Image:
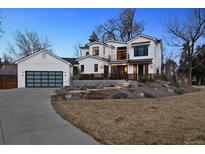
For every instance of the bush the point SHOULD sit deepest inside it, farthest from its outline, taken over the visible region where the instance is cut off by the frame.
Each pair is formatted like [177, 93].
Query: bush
[147, 79]
[120, 95]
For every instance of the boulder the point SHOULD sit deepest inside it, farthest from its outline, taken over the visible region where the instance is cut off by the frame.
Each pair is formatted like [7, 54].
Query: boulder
[141, 94]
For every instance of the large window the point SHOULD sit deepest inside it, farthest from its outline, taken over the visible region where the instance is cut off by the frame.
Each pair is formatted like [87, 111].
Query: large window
[121, 53]
[95, 51]
[141, 51]
[95, 67]
[82, 68]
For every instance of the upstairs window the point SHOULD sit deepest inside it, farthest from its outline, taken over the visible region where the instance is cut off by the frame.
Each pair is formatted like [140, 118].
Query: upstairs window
[95, 51]
[82, 68]
[87, 53]
[141, 50]
[95, 67]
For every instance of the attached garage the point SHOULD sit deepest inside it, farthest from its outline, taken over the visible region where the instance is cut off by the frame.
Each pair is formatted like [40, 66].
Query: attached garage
[43, 69]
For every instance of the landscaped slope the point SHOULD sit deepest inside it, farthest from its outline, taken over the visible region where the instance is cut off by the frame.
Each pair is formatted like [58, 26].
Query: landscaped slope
[170, 120]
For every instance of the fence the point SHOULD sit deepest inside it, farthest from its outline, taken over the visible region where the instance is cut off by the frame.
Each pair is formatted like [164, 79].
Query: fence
[8, 81]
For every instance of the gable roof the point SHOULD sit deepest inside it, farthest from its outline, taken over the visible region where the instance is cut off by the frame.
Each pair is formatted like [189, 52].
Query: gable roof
[50, 53]
[145, 36]
[114, 41]
[90, 56]
[70, 60]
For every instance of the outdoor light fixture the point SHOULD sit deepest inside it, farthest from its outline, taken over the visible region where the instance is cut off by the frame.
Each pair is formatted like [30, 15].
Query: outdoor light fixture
[64, 73]
[22, 73]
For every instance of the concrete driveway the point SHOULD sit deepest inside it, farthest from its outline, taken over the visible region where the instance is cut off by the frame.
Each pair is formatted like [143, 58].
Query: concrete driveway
[27, 117]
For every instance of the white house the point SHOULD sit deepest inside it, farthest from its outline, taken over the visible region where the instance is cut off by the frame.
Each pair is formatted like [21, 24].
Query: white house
[43, 69]
[136, 58]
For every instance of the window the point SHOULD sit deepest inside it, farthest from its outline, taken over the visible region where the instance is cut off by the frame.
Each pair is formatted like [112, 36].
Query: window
[96, 68]
[141, 51]
[87, 53]
[121, 53]
[82, 68]
[103, 50]
[95, 51]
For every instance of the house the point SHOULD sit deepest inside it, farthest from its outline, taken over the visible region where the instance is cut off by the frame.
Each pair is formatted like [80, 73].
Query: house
[132, 60]
[43, 69]
[135, 59]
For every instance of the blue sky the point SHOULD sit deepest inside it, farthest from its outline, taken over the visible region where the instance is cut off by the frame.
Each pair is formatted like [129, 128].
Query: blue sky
[67, 27]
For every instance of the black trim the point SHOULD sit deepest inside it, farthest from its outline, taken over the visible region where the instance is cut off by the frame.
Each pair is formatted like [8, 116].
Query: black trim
[37, 79]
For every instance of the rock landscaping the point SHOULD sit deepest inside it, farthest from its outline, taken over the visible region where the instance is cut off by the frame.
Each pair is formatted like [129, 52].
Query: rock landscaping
[126, 91]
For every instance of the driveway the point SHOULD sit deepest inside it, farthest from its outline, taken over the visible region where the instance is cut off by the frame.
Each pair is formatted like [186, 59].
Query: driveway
[27, 117]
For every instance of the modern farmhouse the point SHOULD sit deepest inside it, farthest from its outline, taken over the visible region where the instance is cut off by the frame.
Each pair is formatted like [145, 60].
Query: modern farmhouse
[138, 58]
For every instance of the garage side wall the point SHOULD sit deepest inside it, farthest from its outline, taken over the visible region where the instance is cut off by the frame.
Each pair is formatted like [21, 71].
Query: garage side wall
[43, 62]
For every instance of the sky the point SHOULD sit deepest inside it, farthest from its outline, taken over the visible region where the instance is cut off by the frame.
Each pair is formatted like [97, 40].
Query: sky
[66, 27]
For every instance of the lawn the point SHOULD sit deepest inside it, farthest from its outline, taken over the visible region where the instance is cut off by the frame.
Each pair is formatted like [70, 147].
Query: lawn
[169, 120]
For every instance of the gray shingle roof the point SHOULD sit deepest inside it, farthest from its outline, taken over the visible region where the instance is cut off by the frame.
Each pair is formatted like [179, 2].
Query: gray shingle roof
[70, 60]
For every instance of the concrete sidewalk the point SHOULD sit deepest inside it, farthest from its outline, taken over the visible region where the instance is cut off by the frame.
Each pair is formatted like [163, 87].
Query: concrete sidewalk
[27, 117]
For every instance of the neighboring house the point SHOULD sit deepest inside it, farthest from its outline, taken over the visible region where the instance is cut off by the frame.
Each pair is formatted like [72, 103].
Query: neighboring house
[137, 58]
[43, 69]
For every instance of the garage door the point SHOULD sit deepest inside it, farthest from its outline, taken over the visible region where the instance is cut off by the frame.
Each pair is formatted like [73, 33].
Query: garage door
[44, 79]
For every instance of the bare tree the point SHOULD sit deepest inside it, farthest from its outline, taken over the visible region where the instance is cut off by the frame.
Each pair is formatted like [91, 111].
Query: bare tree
[77, 51]
[26, 44]
[170, 68]
[1, 19]
[187, 34]
[122, 28]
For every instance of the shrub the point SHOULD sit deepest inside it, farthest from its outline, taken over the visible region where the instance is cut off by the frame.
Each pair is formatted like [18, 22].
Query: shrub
[147, 79]
[120, 95]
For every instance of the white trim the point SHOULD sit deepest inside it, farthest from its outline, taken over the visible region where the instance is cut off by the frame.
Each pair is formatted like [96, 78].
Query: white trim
[115, 42]
[90, 56]
[51, 54]
[96, 42]
[142, 35]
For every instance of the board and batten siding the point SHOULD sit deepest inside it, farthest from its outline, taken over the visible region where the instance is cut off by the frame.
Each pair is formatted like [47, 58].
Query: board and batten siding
[43, 62]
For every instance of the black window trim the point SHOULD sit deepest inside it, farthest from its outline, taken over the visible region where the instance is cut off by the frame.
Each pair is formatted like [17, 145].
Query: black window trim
[95, 68]
[145, 53]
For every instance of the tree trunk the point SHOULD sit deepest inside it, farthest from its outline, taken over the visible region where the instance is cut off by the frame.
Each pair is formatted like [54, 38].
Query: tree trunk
[190, 77]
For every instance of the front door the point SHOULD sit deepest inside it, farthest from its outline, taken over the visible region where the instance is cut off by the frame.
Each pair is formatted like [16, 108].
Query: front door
[140, 71]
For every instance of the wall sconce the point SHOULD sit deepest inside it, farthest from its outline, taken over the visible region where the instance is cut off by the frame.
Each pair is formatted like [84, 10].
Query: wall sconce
[64, 73]
[22, 73]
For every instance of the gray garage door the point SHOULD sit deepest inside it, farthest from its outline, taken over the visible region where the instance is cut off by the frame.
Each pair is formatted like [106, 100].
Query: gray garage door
[44, 79]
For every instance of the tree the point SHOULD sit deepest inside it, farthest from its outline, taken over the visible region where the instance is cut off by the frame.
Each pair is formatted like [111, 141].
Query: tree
[123, 28]
[187, 34]
[1, 28]
[170, 69]
[77, 51]
[93, 37]
[199, 63]
[26, 44]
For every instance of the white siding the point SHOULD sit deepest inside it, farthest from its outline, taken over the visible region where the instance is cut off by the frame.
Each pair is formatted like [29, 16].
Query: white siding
[154, 52]
[89, 65]
[39, 62]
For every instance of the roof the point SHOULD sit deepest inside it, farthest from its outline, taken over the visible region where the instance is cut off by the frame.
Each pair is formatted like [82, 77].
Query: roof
[50, 53]
[114, 41]
[8, 69]
[70, 60]
[90, 56]
[145, 36]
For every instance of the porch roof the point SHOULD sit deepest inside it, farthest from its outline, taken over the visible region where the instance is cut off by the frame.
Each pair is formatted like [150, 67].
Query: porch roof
[140, 61]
